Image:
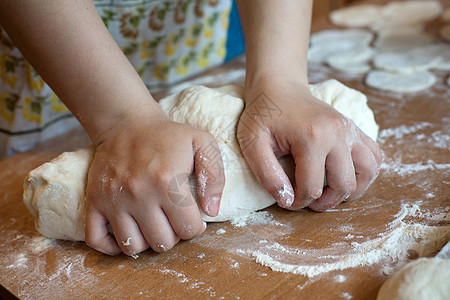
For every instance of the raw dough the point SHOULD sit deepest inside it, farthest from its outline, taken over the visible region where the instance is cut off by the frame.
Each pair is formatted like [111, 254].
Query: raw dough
[328, 44]
[401, 83]
[352, 68]
[54, 192]
[422, 279]
[441, 50]
[412, 61]
[404, 12]
[357, 54]
[353, 61]
[402, 39]
[357, 16]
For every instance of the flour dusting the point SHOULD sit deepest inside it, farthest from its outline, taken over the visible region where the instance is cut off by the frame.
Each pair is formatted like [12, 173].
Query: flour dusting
[394, 245]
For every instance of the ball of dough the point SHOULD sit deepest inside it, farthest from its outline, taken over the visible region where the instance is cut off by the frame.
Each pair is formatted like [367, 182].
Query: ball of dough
[421, 279]
[54, 192]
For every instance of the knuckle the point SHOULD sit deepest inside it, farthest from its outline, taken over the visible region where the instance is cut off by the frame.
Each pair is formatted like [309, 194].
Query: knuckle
[162, 177]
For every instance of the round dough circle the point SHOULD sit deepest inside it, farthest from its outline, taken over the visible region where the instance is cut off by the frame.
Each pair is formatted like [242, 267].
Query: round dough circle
[339, 44]
[401, 83]
[405, 62]
[402, 39]
[357, 16]
[57, 188]
[412, 11]
[424, 278]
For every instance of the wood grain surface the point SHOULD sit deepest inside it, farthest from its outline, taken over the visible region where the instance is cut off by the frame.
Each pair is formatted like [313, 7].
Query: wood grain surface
[412, 189]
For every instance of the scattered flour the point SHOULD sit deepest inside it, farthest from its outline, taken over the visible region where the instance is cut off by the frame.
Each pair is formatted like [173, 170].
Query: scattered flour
[340, 278]
[255, 218]
[221, 231]
[346, 296]
[393, 245]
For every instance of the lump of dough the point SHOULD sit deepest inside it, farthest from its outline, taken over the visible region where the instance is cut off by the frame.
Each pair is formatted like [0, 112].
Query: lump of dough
[54, 192]
[421, 279]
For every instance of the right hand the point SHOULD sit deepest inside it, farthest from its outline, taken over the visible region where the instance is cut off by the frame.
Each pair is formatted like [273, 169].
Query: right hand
[137, 184]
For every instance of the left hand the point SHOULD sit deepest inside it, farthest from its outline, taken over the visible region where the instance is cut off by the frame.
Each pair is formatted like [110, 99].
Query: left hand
[284, 118]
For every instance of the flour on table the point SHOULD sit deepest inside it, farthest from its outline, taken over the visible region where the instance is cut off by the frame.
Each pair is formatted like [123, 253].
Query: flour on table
[393, 245]
[54, 192]
[401, 83]
[424, 278]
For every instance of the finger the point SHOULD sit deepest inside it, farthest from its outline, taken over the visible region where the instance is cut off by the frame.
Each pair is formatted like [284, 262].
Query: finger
[341, 180]
[128, 235]
[209, 172]
[268, 171]
[309, 175]
[374, 148]
[97, 235]
[366, 168]
[182, 210]
[157, 230]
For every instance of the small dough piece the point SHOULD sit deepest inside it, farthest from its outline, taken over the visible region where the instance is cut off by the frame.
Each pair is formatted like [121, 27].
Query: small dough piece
[402, 39]
[338, 43]
[354, 55]
[441, 51]
[421, 279]
[405, 62]
[404, 12]
[445, 32]
[352, 68]
[54, 192]
[353, 61]
[357, 16]
[400, 83]
[337, 37]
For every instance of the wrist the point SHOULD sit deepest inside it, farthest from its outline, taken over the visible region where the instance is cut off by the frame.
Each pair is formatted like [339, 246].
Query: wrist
[274, 83]
[120, 120]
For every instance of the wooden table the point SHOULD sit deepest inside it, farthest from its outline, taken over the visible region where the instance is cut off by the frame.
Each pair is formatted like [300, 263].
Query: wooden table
[222, 263]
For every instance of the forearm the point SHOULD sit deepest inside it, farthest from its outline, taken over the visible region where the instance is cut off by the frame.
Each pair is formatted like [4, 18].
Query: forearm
[277, 39]
[68, 44]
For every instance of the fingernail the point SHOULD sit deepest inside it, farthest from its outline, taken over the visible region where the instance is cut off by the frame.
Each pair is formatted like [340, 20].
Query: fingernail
[211, 207]
[162, 247]
[286, 195]
[204, 225]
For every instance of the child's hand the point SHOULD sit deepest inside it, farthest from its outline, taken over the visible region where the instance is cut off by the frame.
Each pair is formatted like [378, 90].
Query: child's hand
[285, 118]
[138, 185]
